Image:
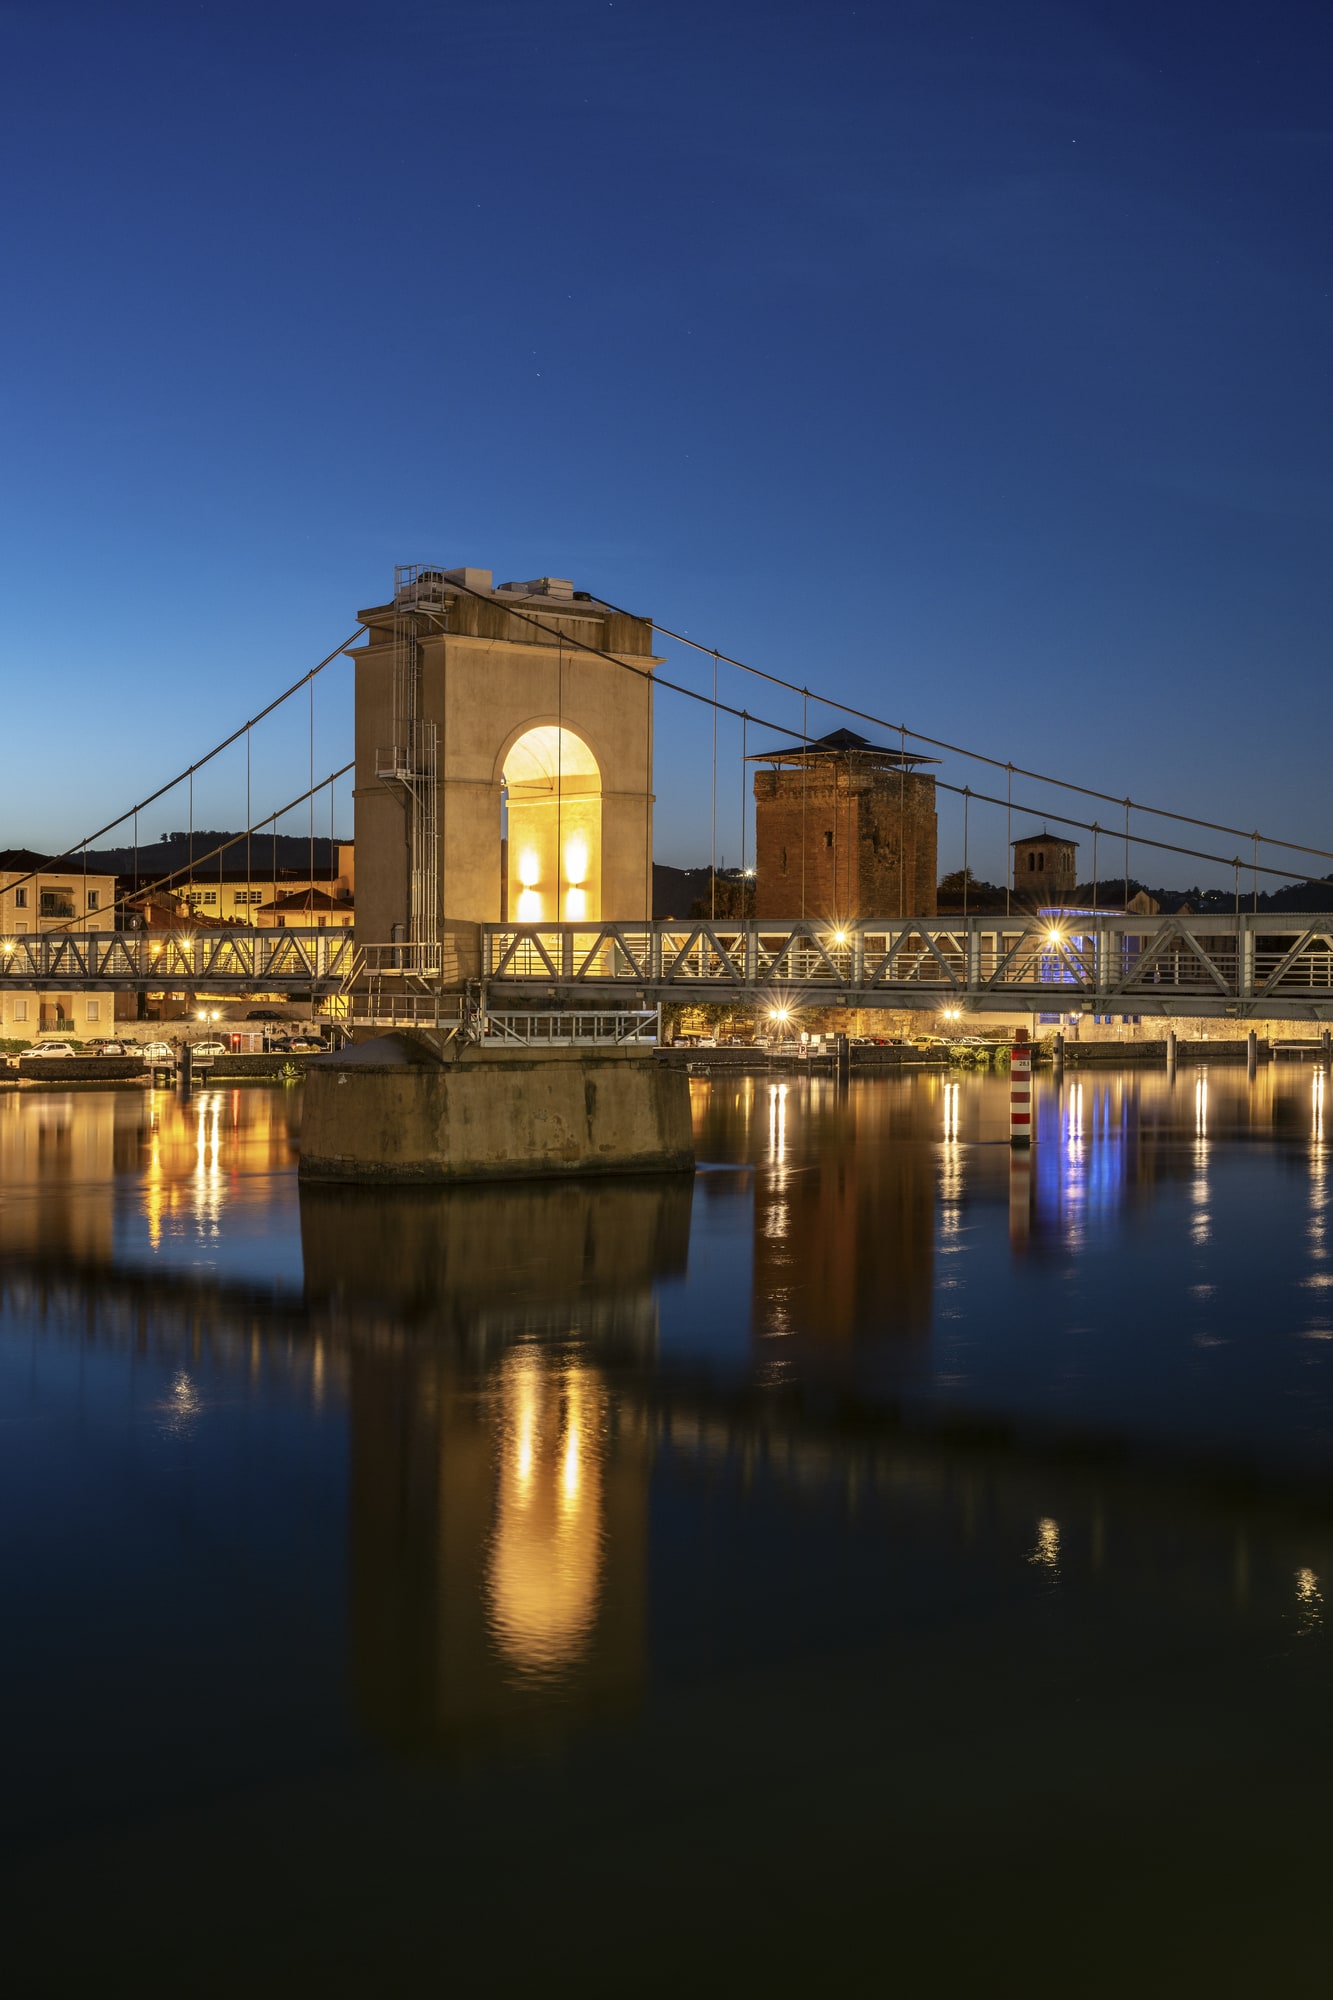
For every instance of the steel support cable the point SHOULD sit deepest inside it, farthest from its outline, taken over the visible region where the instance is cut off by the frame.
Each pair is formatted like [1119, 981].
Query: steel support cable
[613, 659]
[967, 803]
[235, 841]
[1126, 850]
[1009, 837]
[310, 893]
[712, 868]
[67, 853]
[744, 802]
[746, 717]
[805, 768]
[1138, 839]
[977, 756]
[269, 819]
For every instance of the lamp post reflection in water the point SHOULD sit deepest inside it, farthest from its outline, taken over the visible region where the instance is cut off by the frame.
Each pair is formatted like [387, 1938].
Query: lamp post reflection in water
[1199, 1228]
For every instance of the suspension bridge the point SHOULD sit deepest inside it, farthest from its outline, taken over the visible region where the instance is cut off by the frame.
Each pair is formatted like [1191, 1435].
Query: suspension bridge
[504, 786]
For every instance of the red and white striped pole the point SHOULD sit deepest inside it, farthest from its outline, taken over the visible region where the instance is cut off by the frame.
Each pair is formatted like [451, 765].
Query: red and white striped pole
[1020, 1089]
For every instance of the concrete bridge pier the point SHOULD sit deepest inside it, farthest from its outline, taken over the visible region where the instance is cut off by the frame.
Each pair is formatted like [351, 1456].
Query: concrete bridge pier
[394, 1110]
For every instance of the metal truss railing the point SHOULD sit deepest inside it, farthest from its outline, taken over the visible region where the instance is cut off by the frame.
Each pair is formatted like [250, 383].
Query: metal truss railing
[422, 959]
[620, 1026]
[1265, 964]
[222, 961]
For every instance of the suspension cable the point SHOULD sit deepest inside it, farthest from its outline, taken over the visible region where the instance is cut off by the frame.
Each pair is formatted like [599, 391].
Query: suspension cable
[978, 756]
[746, 716]
[68, 853]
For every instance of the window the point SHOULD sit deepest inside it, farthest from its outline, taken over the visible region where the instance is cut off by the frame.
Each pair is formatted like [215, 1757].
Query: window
[828, 839]
[203, 895]
[57, 903]
[20, 930]
[20, 1010]
[20, 899]
[1041, 861]
[1032, 864]
[94, 1010]
[92, 898]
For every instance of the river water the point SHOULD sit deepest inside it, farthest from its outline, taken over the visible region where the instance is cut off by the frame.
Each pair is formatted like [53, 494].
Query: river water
[879, 1562]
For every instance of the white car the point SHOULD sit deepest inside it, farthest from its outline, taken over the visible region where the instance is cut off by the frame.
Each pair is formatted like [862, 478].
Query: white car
[210, 1049]
[156, 1052]
[44, 1050]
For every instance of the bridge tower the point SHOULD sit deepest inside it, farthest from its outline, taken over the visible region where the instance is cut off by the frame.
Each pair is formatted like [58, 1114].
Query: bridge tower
[502, 771]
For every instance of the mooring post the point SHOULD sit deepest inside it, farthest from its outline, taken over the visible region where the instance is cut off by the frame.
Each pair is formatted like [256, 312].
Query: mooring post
[843, 1048]
[1251, 1052]
[186, 1066]
[1324, 1046]
[1058, 1053]
[1171, 1051]
[1020, 1089]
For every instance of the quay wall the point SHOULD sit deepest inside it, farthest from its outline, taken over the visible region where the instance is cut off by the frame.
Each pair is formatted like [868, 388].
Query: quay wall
[493, 1115]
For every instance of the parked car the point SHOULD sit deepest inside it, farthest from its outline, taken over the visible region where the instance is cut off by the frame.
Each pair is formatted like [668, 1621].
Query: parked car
[305, 1045]
[42, 1051]
[157, 1052]
[209, 1049]
[116, 1049]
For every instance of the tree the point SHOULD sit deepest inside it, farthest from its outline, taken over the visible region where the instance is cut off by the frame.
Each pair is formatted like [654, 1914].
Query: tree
[735, 897]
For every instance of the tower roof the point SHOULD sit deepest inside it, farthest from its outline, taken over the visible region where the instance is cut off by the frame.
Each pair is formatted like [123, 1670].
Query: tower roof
[1050, 839]
[840, 743]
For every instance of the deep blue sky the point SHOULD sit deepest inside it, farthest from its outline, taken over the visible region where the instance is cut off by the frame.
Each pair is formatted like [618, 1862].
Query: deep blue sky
[972, 360]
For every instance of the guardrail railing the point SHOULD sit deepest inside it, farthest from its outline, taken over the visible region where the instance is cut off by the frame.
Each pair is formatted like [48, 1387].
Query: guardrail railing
[1116, 964]
[221, 960]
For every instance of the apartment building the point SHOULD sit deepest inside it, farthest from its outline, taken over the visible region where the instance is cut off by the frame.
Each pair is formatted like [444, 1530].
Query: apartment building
[36, 898]
[241, 895]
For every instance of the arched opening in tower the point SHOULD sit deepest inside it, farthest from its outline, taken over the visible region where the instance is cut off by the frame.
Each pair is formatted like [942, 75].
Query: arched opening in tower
[554, 792]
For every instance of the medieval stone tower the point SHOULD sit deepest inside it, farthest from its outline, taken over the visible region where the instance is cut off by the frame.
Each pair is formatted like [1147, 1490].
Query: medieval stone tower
[844, 829]
[1044, 867]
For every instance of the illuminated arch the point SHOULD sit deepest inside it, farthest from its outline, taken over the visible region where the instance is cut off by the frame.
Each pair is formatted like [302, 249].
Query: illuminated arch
[554, 786]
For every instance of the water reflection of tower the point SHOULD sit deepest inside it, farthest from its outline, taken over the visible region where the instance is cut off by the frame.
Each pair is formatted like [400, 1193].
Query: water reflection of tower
[498, 1486]
[844, 1213]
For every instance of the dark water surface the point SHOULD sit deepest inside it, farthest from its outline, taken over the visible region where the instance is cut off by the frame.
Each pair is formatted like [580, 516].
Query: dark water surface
[873, 1565]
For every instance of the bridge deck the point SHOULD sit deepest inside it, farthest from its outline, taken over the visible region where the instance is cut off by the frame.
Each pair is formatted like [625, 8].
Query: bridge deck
[222, 961]
[1249, 965]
